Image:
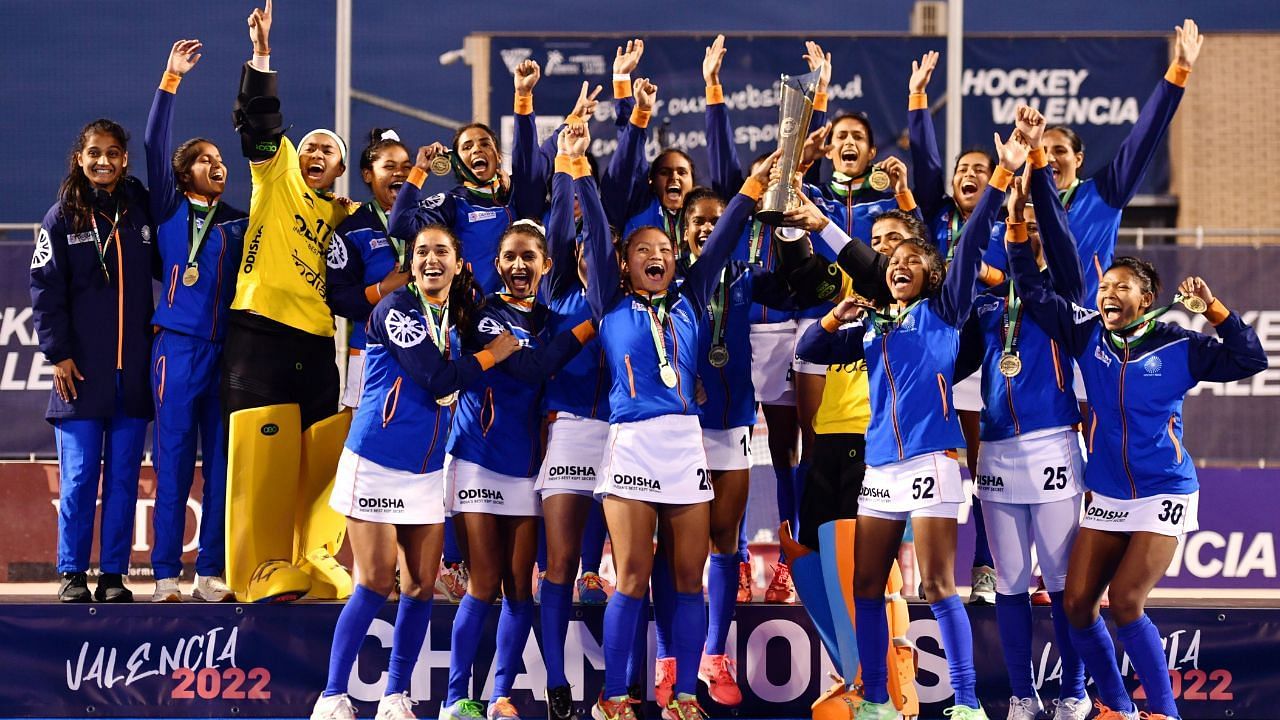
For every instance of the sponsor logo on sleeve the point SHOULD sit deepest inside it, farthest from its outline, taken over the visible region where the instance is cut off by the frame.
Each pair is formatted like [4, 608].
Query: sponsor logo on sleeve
[432, 202]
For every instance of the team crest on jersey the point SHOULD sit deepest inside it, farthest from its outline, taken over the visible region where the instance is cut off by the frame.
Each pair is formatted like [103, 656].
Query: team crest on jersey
[908, 323]
[1081, 315]
[512, 57]
[146, 234]
[336, 257]
[44, 250]
[404, 330]
[81, 238]
[489, 326]
[988, 306]
[432, 202]
[1151, 366]
[306, 197]
[1102, 355]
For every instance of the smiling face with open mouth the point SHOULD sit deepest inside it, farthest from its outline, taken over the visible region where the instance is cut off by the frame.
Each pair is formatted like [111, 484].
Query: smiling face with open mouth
[650, 263]
[909, 271]
[671, 179]
[390, 168]
[103, 160]
[522, 261]
[477, 148]
[207, 174]
[320, 160]
[851, 152]
[700, 219]
[973, 170]
[434, 262]
[1122, 297]
[1063, 158]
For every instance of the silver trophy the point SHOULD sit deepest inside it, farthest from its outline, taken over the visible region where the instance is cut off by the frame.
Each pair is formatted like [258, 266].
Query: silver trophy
[795, 109]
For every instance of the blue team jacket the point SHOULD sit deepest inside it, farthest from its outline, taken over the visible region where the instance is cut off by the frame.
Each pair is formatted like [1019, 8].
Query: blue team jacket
[101, 322]
[360, 254]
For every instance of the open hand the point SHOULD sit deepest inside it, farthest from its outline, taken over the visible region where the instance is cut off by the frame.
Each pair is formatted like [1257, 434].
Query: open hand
[711, 61]
[65, 373]
[627, 59]
[818, 60]
[815, 146]
[1012, 152]
[184, 56]
[1186, 44]
[921, 71]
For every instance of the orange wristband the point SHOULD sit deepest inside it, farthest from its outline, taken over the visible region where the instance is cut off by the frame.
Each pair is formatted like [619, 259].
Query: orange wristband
[621, 89]
[1177, 75]
[580, 167]
[1217, 312]
[715, 94]
[820, 102]
[416, 177]
[373, 293]
[752, 188]
[918, 101]
[1038, 158]
[564, 164]
[639, 117]
[524, 104]
[169, 83]
[584, 331]
[830, 322]
[486, 359]
[906, 201]
[1001, 178]
[1017, 231]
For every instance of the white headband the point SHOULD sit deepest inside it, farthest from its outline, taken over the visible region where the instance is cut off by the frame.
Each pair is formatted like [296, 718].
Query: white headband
[342, 145]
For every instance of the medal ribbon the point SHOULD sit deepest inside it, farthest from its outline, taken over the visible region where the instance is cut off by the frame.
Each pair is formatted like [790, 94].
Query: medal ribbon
[884, 322]
[396, 243]
[657, 323]
[1067, 195]
[200, 228]
[101, 244]
[1120, 340]
[843, 185]
[1012, 321]
[719, 301]
[953, 234]
[439, 334]
[757, 240]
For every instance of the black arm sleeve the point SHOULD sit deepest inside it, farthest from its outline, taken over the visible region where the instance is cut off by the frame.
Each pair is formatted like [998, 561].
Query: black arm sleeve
[257, 114]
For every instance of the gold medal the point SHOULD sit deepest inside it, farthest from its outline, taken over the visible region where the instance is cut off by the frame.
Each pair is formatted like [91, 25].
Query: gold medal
[441, 165]
[1193, 303]
[878, 179]
[191, 275]
[718, 356]
[447, 400]
[1010, 365]
[668, 375]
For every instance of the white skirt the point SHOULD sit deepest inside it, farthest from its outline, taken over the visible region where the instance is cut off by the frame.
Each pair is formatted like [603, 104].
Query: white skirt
[1172, 515]
[967, 394]
[728, 449]
[473, 488]
[802, 366]
[911, 485]
[365, 490]
[1040, 467]
[354, 388]
[772, 350]
[658, 460]
[574, 460]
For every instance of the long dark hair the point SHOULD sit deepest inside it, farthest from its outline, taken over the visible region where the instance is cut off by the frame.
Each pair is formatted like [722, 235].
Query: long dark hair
[76, 192]
[184, 157]
[466, 297]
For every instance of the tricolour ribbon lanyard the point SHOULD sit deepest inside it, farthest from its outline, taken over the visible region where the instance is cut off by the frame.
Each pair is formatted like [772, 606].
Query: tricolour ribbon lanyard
[101, 244]
[953, 234]
[1118, 337]
[469, 178]
[718, 356]
[884, 322]
[1010, 362]
[199, 229]
[657, 322]
[1067, 195]
[439, 335]
[757, 241]
[396, 243]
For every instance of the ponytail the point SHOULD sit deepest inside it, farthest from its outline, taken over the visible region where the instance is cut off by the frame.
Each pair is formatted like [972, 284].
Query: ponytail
[466, 298]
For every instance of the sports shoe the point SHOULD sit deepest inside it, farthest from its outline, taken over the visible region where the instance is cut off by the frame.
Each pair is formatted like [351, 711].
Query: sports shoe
[537, 590]
[501, 708]
[211, 588]
[167, 591]
[1027, 708]
[721, 676]
[877, 711]
[664, 682]
[560, 703]
[964, 712]
[780, 589]
[684, 707]
[984, 588]
[744, 583]
[637, 700]
[610, 709]
[1153, 716]
[111, 589]
[591, 589]
[334, 707]
[1106, 713]
[396, 706]
[451, 582]
[464, 709]
[74, 588]
[1071, 709]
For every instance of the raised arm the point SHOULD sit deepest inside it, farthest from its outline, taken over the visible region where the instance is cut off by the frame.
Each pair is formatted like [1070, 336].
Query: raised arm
[257, 110]
[1069, 324]
[622, 186]
[161, 183]
[1119, 180]
[926, 161]
[529, 169]
[703, 275]
[726, 168]
[563, 277]
[411, 212]
[1238, 356]
[603, 272]
[1056, 239]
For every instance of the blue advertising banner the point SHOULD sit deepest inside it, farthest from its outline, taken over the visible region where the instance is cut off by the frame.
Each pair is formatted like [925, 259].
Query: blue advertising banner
[259, 661]
[1095, 85]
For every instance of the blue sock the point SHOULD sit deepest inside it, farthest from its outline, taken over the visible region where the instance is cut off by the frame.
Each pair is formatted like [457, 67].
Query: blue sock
[557, 600]
[957, 641]
[1141, 640]
[1099, 655]
[981, 548]
[348, 634]
[722, 596]
[806, 574]
[593, 534]
[465, 640]
[638, 660]
[452, 551]
[1013, 617]
[872, 630]
[689, 628]
[412, 617]
[664, 603]
[513, 632]
[789, 499]
[744, 550]
[620, 617]
[1072, 683]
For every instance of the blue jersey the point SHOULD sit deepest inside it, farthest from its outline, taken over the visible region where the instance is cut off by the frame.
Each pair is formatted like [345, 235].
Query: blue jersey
[360, 255]
[582, 386]
[91, 302]
[499, 421]
[627, 320]
[1134, 430]
[399, 424]
[911, 360]
[199, 309]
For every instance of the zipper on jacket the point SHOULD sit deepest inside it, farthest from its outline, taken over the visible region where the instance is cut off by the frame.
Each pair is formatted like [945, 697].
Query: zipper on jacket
[893, 392]
[631, 378]
[1124, 429]
[390, 402]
